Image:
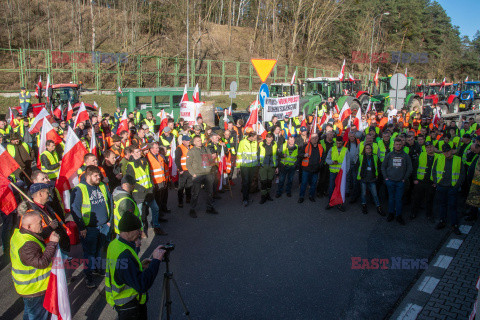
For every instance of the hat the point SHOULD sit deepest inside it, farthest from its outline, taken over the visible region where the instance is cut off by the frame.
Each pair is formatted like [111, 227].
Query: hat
[467, 136]
[286, 116]
[186, 137]
[197, 127]
[167, 129]
[129, 179]
[446, 147]
[428, 143]
[22, 88]
[116, 138]
[39, 186]
[129, 222]
[303, 129]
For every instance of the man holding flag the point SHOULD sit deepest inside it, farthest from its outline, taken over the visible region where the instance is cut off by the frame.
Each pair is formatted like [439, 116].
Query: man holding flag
[32, 263]
[335, 158]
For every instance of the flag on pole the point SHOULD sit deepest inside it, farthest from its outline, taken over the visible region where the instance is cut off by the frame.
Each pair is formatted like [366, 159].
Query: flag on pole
[56, 299]
[230, 110]
[338, 195]
[289, 127]
[350, 77]
[69, 112]
[95, 105]
[47, 87]
[10, 118]
[314, 122]
[72, 160]
[38, 121]
[466, 79]
[436, 116]
[58, 112]
[225, 119]
[221, 168]
[47, 133]
[123, 124]
[345, 112]
[100, 114]
[336, 108]
[184, 96]
[358, 120]
[93, 143]
[119, 90]
[341, 75]
[38, 89]
[261, 130]
[253, 118]
[444, 82]
[421, 82]
[196, 94]
[369, 106]
[376, 77]
[82, 115]
[9, 165]
[292, 82]
[406, 72]
[7, 199]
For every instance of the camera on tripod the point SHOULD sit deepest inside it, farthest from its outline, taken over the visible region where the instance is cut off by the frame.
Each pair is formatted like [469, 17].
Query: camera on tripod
[168, 246]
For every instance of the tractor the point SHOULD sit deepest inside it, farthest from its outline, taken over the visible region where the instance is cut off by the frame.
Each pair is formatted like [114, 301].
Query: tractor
[443, 95]
[469, 97]
[317, 90]
[381, 94]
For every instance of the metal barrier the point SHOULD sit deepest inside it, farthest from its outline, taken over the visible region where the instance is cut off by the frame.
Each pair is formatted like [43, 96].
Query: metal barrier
[108, 71]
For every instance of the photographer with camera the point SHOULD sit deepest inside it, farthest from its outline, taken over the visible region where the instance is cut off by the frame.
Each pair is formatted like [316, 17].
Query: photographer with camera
[127, 280]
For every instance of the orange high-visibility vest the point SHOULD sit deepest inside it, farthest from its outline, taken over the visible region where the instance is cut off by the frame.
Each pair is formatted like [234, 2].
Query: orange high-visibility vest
[308, 150]
[157, 168]
[183, 159]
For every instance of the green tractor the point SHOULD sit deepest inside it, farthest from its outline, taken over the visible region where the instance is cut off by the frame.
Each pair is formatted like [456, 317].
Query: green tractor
[381, 94]
[317, 90]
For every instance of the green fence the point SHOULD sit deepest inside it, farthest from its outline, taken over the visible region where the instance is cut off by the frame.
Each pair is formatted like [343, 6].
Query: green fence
[108, 71]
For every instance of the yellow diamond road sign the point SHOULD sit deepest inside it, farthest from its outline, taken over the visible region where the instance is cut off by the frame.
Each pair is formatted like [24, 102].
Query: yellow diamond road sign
[263, 67]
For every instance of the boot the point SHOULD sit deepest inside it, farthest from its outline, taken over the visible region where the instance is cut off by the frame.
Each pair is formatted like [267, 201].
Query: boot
[269, 198]
[364, 209]
[263, 199]
[380, 212]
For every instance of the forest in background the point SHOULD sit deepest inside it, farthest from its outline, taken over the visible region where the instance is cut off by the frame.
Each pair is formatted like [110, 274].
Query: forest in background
[313, 33]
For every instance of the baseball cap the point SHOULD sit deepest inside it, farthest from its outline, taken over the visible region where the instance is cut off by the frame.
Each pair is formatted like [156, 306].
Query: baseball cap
[39, 186]
[303, 129]
[186, 138]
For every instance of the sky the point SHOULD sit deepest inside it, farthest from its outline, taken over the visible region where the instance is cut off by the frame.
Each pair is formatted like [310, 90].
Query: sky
[464, 13]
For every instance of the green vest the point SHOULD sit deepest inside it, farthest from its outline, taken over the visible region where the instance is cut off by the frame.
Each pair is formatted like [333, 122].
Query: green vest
[339, 157]
[118, 295]
[150, 124]
[53, 159]
[5, 131]
[118, 215]
[11, 149]
[262, 152]
[87, 206]
[382, 149]
[374, 147]
[456, 167]
[24, 97]
[289, 159]
[142, 177]
[360, 158]
[27, 280]
[422, 164]
[247, 154]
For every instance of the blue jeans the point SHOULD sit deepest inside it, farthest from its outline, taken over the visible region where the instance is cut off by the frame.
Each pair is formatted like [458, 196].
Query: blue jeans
[308, 178]
[395, 194]
[331, 184]
[373, 190]
[353, 185]
[92, 245]
[153, 206]
[286, 173]
[447, 202]
[34, 309]
[24, 106]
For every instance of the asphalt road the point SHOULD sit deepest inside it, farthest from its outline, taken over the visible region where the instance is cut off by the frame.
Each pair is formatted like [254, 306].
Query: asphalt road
[280, 260]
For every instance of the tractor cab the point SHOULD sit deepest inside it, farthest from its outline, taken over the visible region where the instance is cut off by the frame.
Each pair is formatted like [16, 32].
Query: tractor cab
[469, 95]
[278, 90]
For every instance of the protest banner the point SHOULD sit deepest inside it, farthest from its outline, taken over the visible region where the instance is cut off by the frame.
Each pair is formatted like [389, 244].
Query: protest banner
[281, 107]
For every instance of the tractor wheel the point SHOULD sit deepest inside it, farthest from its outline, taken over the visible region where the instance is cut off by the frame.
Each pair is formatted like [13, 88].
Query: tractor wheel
[364, 101]
[454, 106]
[355, 105]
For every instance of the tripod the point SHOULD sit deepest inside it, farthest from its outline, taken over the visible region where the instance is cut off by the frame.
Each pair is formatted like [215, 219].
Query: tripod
[166, 299]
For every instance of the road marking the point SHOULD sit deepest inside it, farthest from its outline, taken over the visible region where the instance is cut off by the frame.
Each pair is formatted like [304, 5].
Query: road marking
[465, 229]
[411, 311]
[454, 243]
[443, 261]
[428, 284]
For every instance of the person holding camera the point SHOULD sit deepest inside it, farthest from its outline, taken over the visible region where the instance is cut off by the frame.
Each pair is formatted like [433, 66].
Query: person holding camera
[127, 279]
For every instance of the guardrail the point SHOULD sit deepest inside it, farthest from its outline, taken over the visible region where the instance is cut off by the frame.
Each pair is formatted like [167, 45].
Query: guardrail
[108, 71]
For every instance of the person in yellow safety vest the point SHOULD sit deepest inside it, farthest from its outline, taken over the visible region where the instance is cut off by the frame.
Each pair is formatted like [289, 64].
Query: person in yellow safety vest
[423, 190]
[171, 125]
[272, 123]
[197, 131]
[25, 99]
[215, 146]
[202, 124]
[288, 164]
[289, 128]
[91, 208]
[385, 145]
[447, 175]
[166, 139]
[268, 160]
[231, 144]
[137, 117]
[32, 263]
[19, 125]
[368, 176]
[184, 177]
[50, 161]
[138, 167]
[335, 158]
[369, 139]
[150, 121]
[4, 128]
[247, 161]
[123, 201]
[127, 279]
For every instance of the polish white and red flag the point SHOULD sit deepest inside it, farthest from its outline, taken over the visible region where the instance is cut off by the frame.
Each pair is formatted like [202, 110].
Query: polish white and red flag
[38, 89]
[406, 73]
[58, 112]
[261, 131]
[47, 87]
[184, 96]
[345, 112]
[72, 160]
[222, 165]
[338, 195]
[38, 121]
[376, 77]
[230, 110]
[100, 114]
[82, 115]
[253, 118]
[56, 299]
[466, 79]
[172, 165]
[358, 120]
[10, 117]
[95, 105]
[294, 77]
[69, 112]
[47, 133]
[313, 129]
[225, 119]
[123, 125]
[119, 90]
[196, 94]
[341, 75]
[9, 165]
[436, 117]
[8, 203]
[350, 77]
[444, 82]
[93, 143]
